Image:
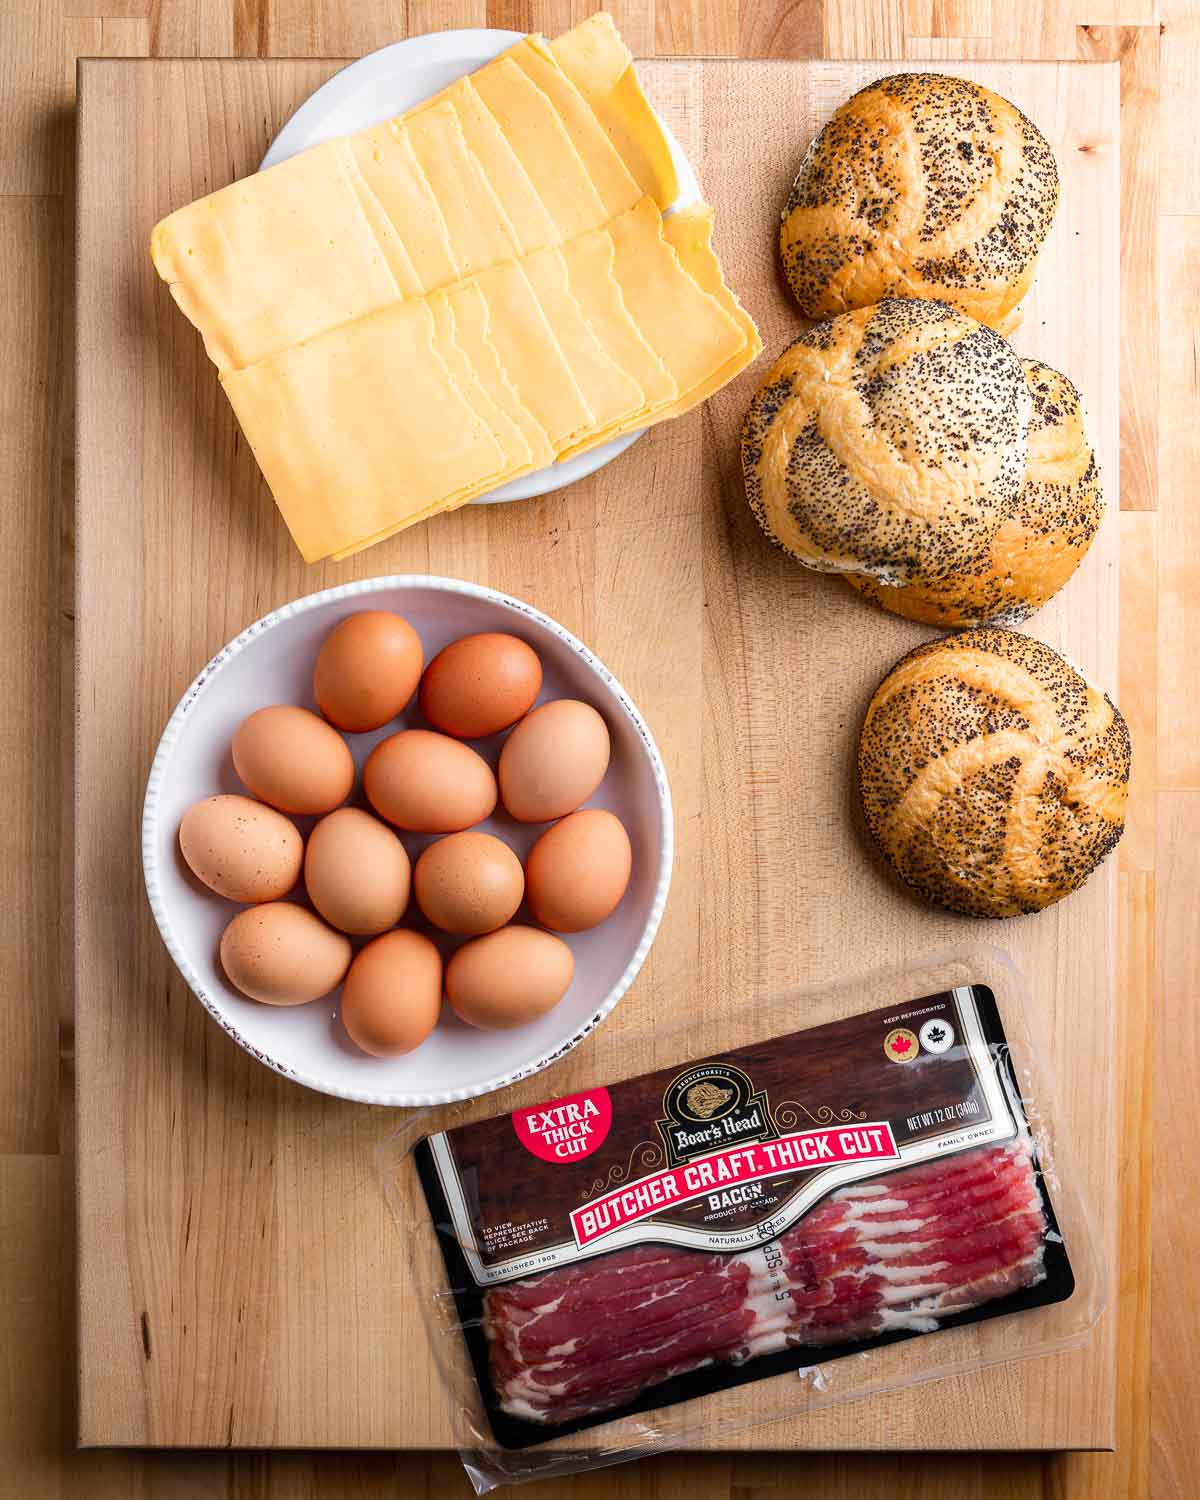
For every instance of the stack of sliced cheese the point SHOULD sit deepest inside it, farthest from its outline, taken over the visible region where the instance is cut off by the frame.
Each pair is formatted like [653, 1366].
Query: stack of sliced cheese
[408, 317]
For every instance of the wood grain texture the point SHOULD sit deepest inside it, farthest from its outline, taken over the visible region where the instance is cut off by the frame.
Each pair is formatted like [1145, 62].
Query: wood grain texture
[36, 80]
[786, 30]
[1175, 1419]
[1179, 535]
[98, 10]
[866, 31]
[328, 28]
[30, 472]
[103, 36]
[896, 1477]
[1135, 1039]
[35, 90]
[1137, 50]
[34, 1264]
[697, 28]
[1036, 30]
[961, 18]
[939, 49]
[300, 1327]
[1138, 693]
[1181, 81]
[188, 28]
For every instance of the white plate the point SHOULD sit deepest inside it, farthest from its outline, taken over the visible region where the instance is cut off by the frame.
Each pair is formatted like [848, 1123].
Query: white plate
[272, 662]
[388, 82]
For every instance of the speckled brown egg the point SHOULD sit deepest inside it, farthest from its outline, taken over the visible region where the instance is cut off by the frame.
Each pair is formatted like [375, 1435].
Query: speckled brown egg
[578, 870]
[282, 954]
[292, 759]
[553, 761]
[508, 978]
[480, 685]
[367, 670]
[468, 883]
[429, 783]
[357, 872]
[393, 993]
[242, 849]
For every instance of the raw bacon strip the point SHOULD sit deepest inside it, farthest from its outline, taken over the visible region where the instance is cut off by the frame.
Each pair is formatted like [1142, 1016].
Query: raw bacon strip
[566, 1318]
[594, 1281]
[703, 1299]
[544, 1388]
[894, 1253]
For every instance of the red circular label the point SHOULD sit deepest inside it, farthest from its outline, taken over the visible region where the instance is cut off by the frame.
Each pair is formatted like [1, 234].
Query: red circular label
[567, 1129]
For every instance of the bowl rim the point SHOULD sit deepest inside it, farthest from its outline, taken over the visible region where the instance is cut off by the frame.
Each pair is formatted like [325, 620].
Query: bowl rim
[360, 588]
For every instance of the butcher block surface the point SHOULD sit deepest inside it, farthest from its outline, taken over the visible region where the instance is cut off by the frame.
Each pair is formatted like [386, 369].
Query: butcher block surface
[240, 1281]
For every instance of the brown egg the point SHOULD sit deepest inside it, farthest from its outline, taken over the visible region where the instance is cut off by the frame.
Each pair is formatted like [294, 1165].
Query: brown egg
[241, 849]
[468, 883]
[357, 872]
[480, 684]
[428, 783]
[508, 978]
[292, 759]
[282, 954]
[578, 870]
[367, 670]
[392, 994]
[553, 760]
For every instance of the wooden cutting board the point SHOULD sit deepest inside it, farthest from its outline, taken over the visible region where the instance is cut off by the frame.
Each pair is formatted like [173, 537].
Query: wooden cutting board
[240, 1282]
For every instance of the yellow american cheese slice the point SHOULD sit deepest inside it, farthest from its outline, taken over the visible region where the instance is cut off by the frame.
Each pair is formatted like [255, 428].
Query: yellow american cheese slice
[391, 245]
[276, 258]
[526, 212]
[600, 65]
[689, 233]
[363, 430]
[538, 368]
[471, 319]
[610, 393]
[589, 261]
[478, 227]
[612, 178]
[591, 65]
[687, 326]
[696, 337]
[393, 174]
[471, 325]
[474, 384]
[440, 508]
[535, 131]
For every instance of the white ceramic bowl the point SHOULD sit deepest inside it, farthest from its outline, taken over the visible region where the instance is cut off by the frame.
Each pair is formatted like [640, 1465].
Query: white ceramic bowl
[272, 662]
[392, 80]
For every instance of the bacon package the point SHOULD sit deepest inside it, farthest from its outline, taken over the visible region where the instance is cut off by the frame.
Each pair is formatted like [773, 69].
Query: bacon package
[718, 1235]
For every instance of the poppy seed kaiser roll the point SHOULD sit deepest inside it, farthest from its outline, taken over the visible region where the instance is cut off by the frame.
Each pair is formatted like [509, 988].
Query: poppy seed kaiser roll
[888, 441]
[993, 777]
[1057, 512]
[921, 185]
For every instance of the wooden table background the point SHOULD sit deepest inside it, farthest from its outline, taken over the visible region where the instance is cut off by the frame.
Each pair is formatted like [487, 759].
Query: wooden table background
[1159, 939]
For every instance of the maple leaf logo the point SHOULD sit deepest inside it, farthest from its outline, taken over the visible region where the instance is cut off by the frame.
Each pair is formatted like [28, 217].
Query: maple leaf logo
[900, 1045]
[936, 1034]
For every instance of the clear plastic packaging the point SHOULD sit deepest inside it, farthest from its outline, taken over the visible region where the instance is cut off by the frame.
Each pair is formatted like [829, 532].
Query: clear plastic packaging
[810, 1221]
